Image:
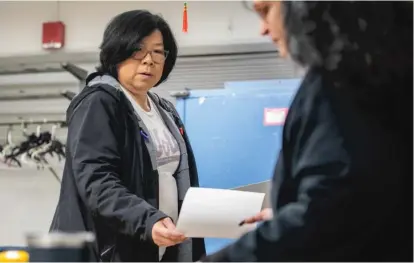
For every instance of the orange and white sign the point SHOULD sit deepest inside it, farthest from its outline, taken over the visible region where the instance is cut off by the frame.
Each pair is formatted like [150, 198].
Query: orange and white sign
[274, 116]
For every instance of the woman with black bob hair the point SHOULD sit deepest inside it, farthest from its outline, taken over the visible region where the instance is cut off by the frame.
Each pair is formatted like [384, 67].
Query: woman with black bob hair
[129, 160]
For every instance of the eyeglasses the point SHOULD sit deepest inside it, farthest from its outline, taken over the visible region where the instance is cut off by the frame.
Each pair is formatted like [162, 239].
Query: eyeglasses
[158, 56]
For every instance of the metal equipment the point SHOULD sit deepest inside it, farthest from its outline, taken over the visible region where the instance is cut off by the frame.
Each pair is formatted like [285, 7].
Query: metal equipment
[79, 73]
[59, 247]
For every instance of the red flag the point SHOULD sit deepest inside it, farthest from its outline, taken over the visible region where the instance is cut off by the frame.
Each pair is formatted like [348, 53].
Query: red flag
[185, 19]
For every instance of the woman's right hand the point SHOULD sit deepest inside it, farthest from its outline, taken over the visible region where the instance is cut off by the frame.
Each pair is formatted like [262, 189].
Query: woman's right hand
[264, 215]
[164, 233]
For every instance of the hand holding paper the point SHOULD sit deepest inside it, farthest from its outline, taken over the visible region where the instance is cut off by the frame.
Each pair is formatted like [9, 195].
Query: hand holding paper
[164, 233]
[217, 213]
[264, 215]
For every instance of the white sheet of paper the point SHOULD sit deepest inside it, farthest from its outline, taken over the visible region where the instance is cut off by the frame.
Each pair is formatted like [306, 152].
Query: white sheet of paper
[216, 213]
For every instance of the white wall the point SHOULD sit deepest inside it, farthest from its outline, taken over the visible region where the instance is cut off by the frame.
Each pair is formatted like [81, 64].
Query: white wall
[210, 23]
[28, 200]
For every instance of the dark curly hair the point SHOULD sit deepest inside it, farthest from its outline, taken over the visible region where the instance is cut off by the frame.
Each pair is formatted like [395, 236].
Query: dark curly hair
[363, 46]
[123, 35]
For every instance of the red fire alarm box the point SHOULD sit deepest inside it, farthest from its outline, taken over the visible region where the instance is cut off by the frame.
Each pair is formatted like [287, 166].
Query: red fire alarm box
[53, 35]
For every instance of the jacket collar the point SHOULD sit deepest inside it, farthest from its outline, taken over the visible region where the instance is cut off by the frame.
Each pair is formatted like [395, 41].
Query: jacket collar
[112, 86]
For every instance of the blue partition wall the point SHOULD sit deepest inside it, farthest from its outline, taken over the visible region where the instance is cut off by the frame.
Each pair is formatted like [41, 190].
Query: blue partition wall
[232, 145]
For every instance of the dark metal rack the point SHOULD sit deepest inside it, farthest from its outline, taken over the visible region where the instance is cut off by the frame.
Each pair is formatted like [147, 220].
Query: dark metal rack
[61, 123]
[33, 96]
[79, 73]
[76, 71]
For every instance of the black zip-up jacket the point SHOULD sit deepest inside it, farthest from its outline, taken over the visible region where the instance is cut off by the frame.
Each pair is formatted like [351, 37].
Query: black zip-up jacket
[342, 187]
[109, 186]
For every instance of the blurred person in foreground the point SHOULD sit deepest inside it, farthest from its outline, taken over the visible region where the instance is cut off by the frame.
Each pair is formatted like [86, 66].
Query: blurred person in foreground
[342, 187]
[129, 160]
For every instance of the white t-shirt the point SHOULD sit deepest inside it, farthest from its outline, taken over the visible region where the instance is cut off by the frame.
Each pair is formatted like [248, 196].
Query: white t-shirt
[168, 158]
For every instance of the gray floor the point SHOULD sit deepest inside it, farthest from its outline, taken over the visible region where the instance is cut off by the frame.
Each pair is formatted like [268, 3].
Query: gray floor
[28, 198]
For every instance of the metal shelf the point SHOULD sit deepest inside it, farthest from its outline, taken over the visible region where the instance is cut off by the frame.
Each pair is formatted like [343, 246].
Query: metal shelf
[60, 122]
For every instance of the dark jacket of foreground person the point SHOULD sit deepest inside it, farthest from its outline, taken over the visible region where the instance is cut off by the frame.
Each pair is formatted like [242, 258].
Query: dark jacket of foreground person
[342, 187]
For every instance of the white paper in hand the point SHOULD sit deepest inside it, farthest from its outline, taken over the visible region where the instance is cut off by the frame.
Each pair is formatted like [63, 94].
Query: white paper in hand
[216, 213]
